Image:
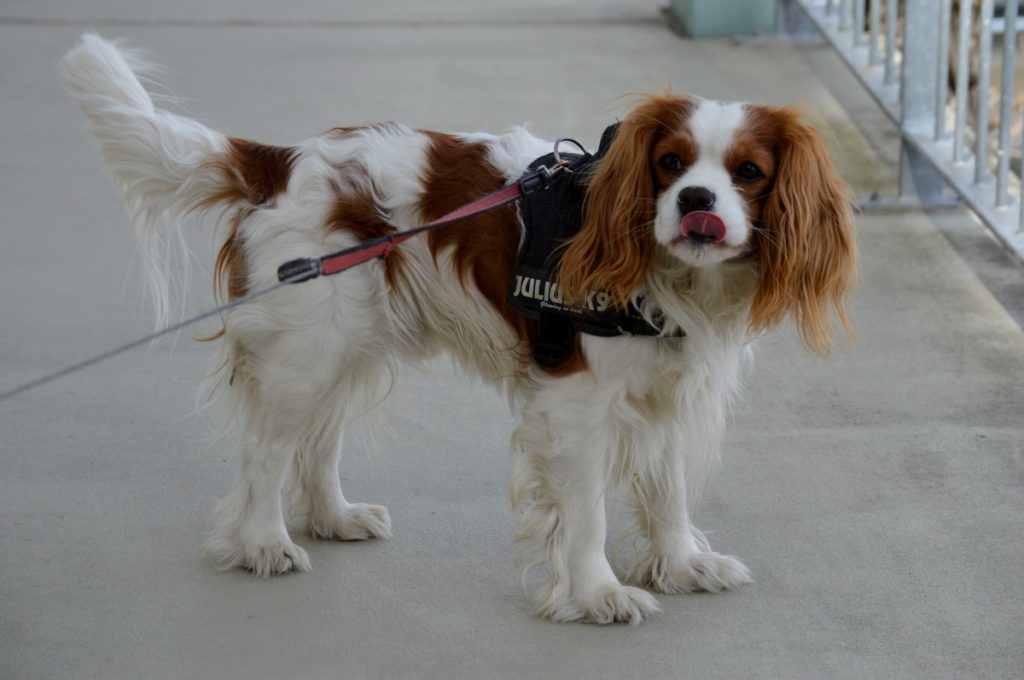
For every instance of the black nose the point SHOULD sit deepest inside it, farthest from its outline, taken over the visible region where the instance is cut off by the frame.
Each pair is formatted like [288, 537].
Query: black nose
[695, 198]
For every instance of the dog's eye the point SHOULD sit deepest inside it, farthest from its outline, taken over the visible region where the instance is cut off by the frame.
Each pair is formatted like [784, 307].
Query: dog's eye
[671, 163]
[748, 172]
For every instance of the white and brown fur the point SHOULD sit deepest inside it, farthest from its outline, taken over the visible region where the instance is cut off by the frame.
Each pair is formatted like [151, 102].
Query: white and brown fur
[645, 412]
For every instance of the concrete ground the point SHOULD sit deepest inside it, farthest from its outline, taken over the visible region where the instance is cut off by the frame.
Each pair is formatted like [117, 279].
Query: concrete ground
[876, 496]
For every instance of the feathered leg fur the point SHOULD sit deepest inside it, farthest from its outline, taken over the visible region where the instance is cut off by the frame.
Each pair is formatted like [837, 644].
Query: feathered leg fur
[562, 469]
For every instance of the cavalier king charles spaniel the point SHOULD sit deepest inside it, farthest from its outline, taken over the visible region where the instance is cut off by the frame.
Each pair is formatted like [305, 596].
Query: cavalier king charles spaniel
[769, 235]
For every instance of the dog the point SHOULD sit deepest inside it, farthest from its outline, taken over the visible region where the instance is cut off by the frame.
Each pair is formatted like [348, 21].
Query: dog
[773, 237]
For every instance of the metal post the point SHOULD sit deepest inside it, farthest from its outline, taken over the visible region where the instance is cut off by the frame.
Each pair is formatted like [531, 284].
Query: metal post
[890, 41]
[1006, 104]
[876, 13]
[858, 22]
[918, 99]
[981, 102]
[963, 77]
[942, 61]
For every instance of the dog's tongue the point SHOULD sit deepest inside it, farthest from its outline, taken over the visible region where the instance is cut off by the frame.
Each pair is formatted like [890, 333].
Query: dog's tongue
[703, 224]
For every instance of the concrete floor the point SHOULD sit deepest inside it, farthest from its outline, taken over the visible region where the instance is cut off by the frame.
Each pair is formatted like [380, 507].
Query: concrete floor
[877, 496]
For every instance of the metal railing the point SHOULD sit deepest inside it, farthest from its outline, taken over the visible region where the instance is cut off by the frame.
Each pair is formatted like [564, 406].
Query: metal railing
[908, 74]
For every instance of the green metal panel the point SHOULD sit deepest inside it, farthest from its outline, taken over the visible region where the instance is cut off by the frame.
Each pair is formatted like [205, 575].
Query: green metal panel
[719, 18]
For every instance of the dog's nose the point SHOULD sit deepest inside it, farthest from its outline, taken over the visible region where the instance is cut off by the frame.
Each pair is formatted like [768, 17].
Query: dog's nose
[695, 198]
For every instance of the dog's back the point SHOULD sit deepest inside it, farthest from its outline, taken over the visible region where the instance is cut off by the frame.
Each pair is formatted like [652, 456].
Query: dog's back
[346, 186]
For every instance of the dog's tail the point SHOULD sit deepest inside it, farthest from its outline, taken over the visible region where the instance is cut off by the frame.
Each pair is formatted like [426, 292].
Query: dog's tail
[164, 164]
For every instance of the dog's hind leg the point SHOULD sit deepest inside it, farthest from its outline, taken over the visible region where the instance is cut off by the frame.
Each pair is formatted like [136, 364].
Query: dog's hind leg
[321, 505]
[249, 526]
[295, 395]
[280, 412]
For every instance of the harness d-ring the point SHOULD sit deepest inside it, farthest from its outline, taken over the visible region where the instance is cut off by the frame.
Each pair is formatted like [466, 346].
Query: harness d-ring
[558, 158]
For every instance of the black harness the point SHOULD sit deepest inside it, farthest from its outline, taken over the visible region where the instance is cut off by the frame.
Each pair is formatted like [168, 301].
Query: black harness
[551, 218]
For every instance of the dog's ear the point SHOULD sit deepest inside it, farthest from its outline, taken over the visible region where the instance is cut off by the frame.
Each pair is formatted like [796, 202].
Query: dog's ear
[615, 246]
[806, 242]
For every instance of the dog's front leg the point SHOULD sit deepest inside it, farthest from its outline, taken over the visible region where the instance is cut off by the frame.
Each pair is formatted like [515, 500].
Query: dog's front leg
[677, 557]
[560, 478]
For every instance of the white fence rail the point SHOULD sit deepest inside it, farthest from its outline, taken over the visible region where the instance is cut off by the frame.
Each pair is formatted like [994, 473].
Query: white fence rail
[901, 52]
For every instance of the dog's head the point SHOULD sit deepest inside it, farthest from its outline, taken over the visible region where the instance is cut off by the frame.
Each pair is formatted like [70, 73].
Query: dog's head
[710, 182]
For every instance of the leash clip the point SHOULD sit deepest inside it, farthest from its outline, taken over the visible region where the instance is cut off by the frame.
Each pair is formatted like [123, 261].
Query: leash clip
[541, 178]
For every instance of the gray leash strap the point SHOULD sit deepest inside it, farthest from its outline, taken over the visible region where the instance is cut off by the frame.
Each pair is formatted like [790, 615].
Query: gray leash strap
[74, 368]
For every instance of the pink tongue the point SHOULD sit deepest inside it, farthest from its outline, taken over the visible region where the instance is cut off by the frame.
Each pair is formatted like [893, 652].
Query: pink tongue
[703, 223]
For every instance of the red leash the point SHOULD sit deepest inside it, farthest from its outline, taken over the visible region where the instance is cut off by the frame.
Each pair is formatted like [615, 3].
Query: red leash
[306, 268]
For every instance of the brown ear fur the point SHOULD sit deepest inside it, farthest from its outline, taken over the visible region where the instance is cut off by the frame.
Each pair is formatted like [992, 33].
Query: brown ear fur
[806, 243]
[615, 246]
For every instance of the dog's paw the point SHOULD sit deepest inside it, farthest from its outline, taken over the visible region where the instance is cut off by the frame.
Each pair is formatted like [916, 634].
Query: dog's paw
[714, 572]
[276, 557]
[616, 603]
[355, 522]
[611, 603]
[708, 571]
[263, 556]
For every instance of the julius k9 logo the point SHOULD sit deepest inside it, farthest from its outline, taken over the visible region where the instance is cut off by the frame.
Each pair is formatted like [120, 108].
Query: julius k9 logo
[549, 295]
